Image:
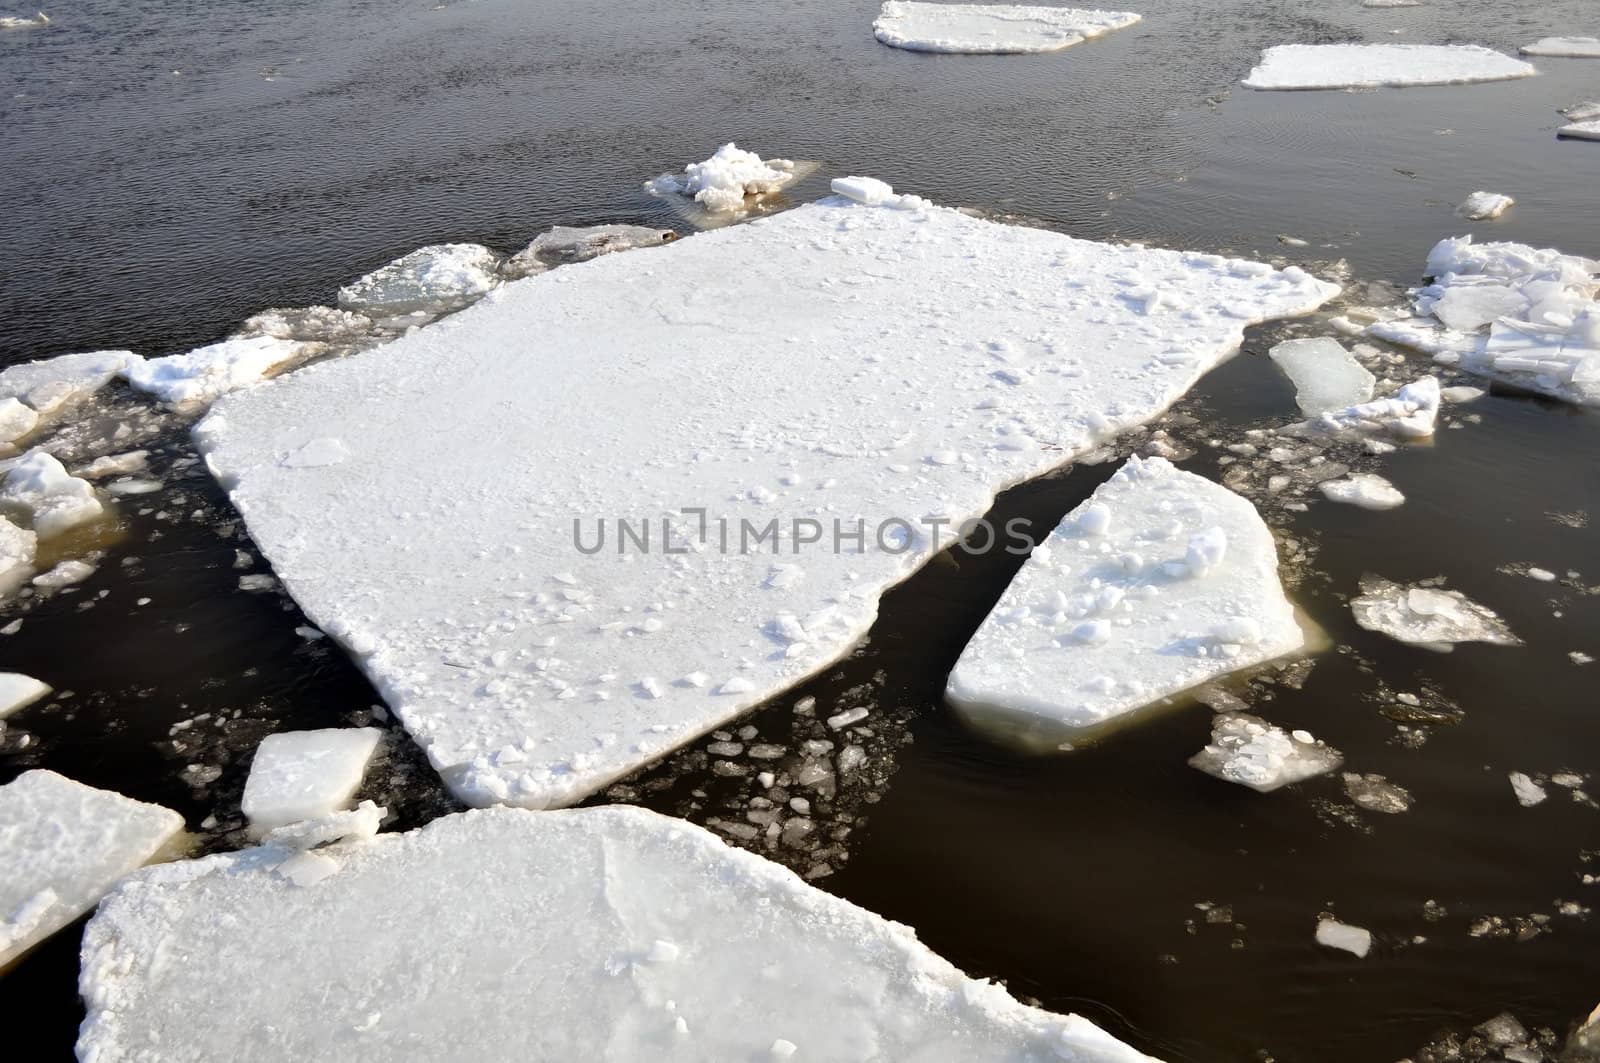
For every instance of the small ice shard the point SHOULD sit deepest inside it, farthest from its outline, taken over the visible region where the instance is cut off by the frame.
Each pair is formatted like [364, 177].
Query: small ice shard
[1325, 375]
[1425, 616]
[1247, 750]
[479, 893]
[62, 846]
[992, 29]
[18, 691]
[1409, 413]
[1364, 489]
[1349, 66]
[1529, 793]
[1377, 794]
[17, 546]
[565, 244]
[1564, 47]
[728, 182]
[360, 822]
[306, 775]
[1481, 206]
[1336, 935]
[433, 280]
[1218, 606]
[38, 486]
[207, 373]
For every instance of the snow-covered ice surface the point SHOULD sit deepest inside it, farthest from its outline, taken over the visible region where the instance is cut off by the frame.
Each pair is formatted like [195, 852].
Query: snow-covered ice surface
[62, 846]
[1511, 312]
[1325, 375]
[836, 361]
[433, 280]
[1365, 489]
[1350, 66]
[1336, 935]
[34, 395]
[18, 691]
[303, 775]
[1564, 47]
[1247, 750]
[563, 245]
[992, 29]
[207, 373]
[38, 487]
[1161, 581]
[729, 182]
[1482, 206]
[602, 933]
[1430, 617]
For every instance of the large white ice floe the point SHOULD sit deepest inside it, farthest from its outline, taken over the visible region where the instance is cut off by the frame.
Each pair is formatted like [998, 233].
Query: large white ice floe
[834, 362]
[603, 933]
[433, 280]
[992, 29]
[1510, 312]
[207, 373]
[1564, 47]
[62, 846]
[1430, 617]
[1247, 750]
[38, 488]
[18, 691]
[728, 182]
[1325, 375]
[302, 775]
[1410, 413]
[1350, 66]
[34, 395]
[1161, 581]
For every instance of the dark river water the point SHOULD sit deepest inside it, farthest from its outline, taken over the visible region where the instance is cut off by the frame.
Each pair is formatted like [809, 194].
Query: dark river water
[172, 168]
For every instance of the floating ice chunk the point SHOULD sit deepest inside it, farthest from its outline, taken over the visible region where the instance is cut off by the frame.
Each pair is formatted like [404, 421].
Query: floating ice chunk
[301, 775]
[1481, 206]
[565, 244]
[1325, 375]
[1426, 616]
[1364, 489]
[17, 546]
[114, 465]
[1336, 935]
[728, 181]
[1346, 66]
[1391, 3]
[1529, 793]
[207, 373]
[53, 386]
[1587, 111]
[38, 486]
[62, 846]
[16, 420]
[992, 29]
[64, 574]
[13, 22]
[1029, 668]
[1462, 393]
[18, 691]
[1377, 794]
[1589, 130]
[1247, 750]
[360, 822]
[1564, 47]
[433, 280]
[422, 594]
[600, 895]
[868, 191]
[1409, 413]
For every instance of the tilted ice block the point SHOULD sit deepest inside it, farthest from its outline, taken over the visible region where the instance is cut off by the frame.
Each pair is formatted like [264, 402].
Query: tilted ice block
[1325, 375]
[1162, 581]
[599, 933]
[301, 775]
[992, 28]
[831, 361]
[1346, 66]
[18, 691]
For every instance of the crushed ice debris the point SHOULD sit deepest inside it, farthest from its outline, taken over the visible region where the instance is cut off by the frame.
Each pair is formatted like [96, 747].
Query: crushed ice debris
[18, 691]
[1324, 374]
[207, 373]
[1564, 47]
[992, 29]
[729, 181]
[38, 487]
[1377, 794]
[1364, 489]
[1346, 66]
[470, 672]
[1510, 312]
[427, 282]
[62, 846]
[1161, 582]
[1529, 793]
[564, 244]
[1247, 750]
[1410, 413]
[301, 775]
[1483, 206]
[1427, 616]
[707, 952]
[1336, 935]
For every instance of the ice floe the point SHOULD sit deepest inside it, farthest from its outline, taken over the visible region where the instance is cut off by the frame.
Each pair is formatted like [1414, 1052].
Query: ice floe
[731, 180]
[564, 244]
[1511, 312]
[35, 395]
[39, 488]
[1410, 413]
[15, 22]
[653, 940]
[836, 362]
[1482, 206]
[1347, 66]
[18, 691]
[207, 373]
[1336, 935]
[425, 283]
[1430, 617]
[1325, 375]
[62, 846]
[1247, 750]
[1564, 47]
[1364, 489]
[1161, 581]
[1377, 794]
[1529, 793]
[306, 775]
[1587, 130]
[992, 29]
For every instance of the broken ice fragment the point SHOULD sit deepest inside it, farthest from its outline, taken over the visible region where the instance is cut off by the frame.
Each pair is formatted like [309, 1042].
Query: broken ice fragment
[1529, 793]
[1409, 413]
[1427, 616]
[17, 546]
[1247, 750]
[207, 373]
[729, 181]
[1336, 935]
[39, 487]
[1325, 375]
[1564, 47]
[999, 29]
[1481, 206]
[18, 691]
[564, 244]
[1345, 66]
[429, 281]
[1364, 489]
[300, 775]
[1377, 794]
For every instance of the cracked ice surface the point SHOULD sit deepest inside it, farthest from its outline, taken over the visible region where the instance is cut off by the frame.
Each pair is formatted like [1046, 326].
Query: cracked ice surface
[992, 29]
[1347, 66]
[1427, 616]
[838, 361]
[1161, 581]
[603, 933]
